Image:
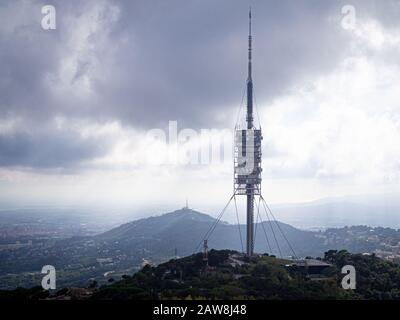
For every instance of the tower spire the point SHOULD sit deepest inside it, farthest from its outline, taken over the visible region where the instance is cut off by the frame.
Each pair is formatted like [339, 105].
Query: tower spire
[249, 117]
[250, 43]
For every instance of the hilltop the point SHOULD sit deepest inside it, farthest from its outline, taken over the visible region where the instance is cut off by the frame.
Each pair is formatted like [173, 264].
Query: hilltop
[183, 229]
[232, 276]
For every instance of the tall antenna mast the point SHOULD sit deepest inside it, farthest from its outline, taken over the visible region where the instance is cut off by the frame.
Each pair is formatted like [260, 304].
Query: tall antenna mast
[249, 186]
[249, 117]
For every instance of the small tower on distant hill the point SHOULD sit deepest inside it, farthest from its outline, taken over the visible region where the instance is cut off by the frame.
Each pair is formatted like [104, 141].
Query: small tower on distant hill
[187, 204]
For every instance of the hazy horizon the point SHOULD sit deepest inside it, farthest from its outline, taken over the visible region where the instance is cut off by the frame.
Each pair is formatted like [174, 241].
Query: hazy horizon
[379, 210]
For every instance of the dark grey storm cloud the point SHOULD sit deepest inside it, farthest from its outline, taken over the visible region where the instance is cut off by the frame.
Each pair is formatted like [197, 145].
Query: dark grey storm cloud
[171, 59]
[45, 148]
[156, 61]
[187, 59]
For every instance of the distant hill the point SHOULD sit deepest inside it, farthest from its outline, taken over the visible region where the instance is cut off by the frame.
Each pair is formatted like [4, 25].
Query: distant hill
[185, 228]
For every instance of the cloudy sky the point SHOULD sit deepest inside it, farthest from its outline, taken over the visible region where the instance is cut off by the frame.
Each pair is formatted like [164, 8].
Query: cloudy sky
[77, 102]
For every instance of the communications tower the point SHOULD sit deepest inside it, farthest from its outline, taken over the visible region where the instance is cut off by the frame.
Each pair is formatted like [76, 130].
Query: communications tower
[247, 158]
[247, 175]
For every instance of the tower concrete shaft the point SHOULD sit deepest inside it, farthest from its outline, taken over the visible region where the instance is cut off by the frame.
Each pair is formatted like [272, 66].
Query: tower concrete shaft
[250, 225]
